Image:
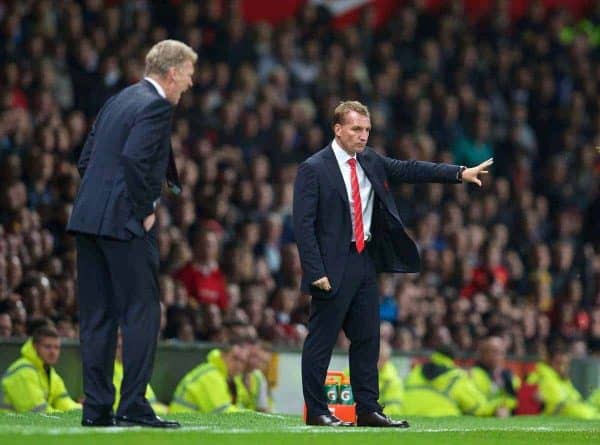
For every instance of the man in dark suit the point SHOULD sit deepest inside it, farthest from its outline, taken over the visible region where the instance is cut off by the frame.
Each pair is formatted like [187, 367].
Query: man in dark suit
[347, 229]
[123, 164]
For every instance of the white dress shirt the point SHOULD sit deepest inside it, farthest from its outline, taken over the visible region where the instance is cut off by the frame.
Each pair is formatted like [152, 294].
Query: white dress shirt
[364, 186]
[156, 85]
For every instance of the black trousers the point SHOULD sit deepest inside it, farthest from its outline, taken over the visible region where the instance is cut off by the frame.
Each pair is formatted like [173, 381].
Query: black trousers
[355, 309]
[117, 286]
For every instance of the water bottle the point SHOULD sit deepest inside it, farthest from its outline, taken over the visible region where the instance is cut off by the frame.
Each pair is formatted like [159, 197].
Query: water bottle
[332, 390]
[346, 397]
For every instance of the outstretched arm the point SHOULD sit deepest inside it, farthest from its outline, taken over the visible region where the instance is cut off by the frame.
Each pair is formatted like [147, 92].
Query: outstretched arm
[420, 171]
[472, 174]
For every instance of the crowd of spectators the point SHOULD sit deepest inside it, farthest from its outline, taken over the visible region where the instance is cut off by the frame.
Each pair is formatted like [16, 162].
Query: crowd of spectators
[521, 255]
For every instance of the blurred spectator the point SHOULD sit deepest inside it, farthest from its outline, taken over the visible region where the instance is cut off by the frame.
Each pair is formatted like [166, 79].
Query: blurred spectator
[475, 149]
[202, 276]
[158, 407]
[210, 387]
[65, 328]
[523, 251]
[554, 387]
[490, 374]
[253, 381]
[440, 388]
[5, 325]
[31, 384]
[391, 388]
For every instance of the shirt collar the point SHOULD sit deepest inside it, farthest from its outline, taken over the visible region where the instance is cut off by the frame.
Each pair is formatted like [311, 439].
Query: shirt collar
[340, 154]
[156, 85]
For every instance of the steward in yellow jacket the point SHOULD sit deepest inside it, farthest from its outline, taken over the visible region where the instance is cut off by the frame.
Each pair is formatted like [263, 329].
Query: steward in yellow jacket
[210, 386]
[252, 390]
[31, 384]
[391, 388]
[439, 388]
[158, 407]
[252, 385]
[594, 399]
[491, 377]
[556, 391]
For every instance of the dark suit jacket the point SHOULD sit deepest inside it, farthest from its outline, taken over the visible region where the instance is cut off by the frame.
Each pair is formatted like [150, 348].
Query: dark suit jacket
[322, 221]
[124, 163]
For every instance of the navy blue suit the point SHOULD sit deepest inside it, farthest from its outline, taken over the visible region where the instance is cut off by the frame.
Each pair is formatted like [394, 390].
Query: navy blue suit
[323, 231]
[124, 162]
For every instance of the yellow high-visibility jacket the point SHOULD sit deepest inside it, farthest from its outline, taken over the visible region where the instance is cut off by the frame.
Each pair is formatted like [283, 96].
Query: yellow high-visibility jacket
[507, 393]
[594, 399]
[559, 396]
[205, 388]
[253, 392]
[158, 407]
[439, 388]
[391, 390]
[29, 386]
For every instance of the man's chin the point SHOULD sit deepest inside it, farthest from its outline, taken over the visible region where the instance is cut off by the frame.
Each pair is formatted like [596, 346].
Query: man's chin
[360, 149]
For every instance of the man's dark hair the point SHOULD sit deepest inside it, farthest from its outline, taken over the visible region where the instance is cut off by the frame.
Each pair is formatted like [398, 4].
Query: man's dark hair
[558, 346]
[448, 350]
[44, 332]
[238, 340]
[35, 323]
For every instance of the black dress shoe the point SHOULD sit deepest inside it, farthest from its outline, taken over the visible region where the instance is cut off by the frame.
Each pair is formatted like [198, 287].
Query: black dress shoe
[380, 420]
[149, 422]
[327, 420]
[104, 421]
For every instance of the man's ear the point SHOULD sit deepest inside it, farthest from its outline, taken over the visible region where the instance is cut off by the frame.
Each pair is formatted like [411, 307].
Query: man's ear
[336, 129]
[172, 73]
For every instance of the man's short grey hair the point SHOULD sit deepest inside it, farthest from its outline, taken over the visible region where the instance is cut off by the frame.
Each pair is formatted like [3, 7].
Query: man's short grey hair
[167, 54]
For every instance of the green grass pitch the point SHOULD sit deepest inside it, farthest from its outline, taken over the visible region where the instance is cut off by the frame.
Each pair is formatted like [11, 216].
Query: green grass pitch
[251, 428]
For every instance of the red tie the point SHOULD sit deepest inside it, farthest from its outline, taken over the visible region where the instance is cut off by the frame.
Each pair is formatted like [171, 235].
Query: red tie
[359, 233]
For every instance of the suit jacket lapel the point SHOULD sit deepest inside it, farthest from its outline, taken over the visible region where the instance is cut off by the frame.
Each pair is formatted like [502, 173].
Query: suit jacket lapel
[334, 174]
[381, 190]
[363, 160]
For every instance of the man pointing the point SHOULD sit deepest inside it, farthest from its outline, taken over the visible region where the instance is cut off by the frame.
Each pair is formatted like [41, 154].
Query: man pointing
[348, 229]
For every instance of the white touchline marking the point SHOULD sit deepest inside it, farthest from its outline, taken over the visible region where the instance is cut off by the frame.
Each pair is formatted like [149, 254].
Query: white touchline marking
[54, 431]
[276, 416]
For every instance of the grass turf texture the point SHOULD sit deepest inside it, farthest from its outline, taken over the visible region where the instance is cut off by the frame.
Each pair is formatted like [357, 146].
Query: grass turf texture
[250, 428]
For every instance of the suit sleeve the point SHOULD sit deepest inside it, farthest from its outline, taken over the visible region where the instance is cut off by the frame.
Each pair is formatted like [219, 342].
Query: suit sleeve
[306, 197]
[144, 140]
[88, 147]
[420, 171]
